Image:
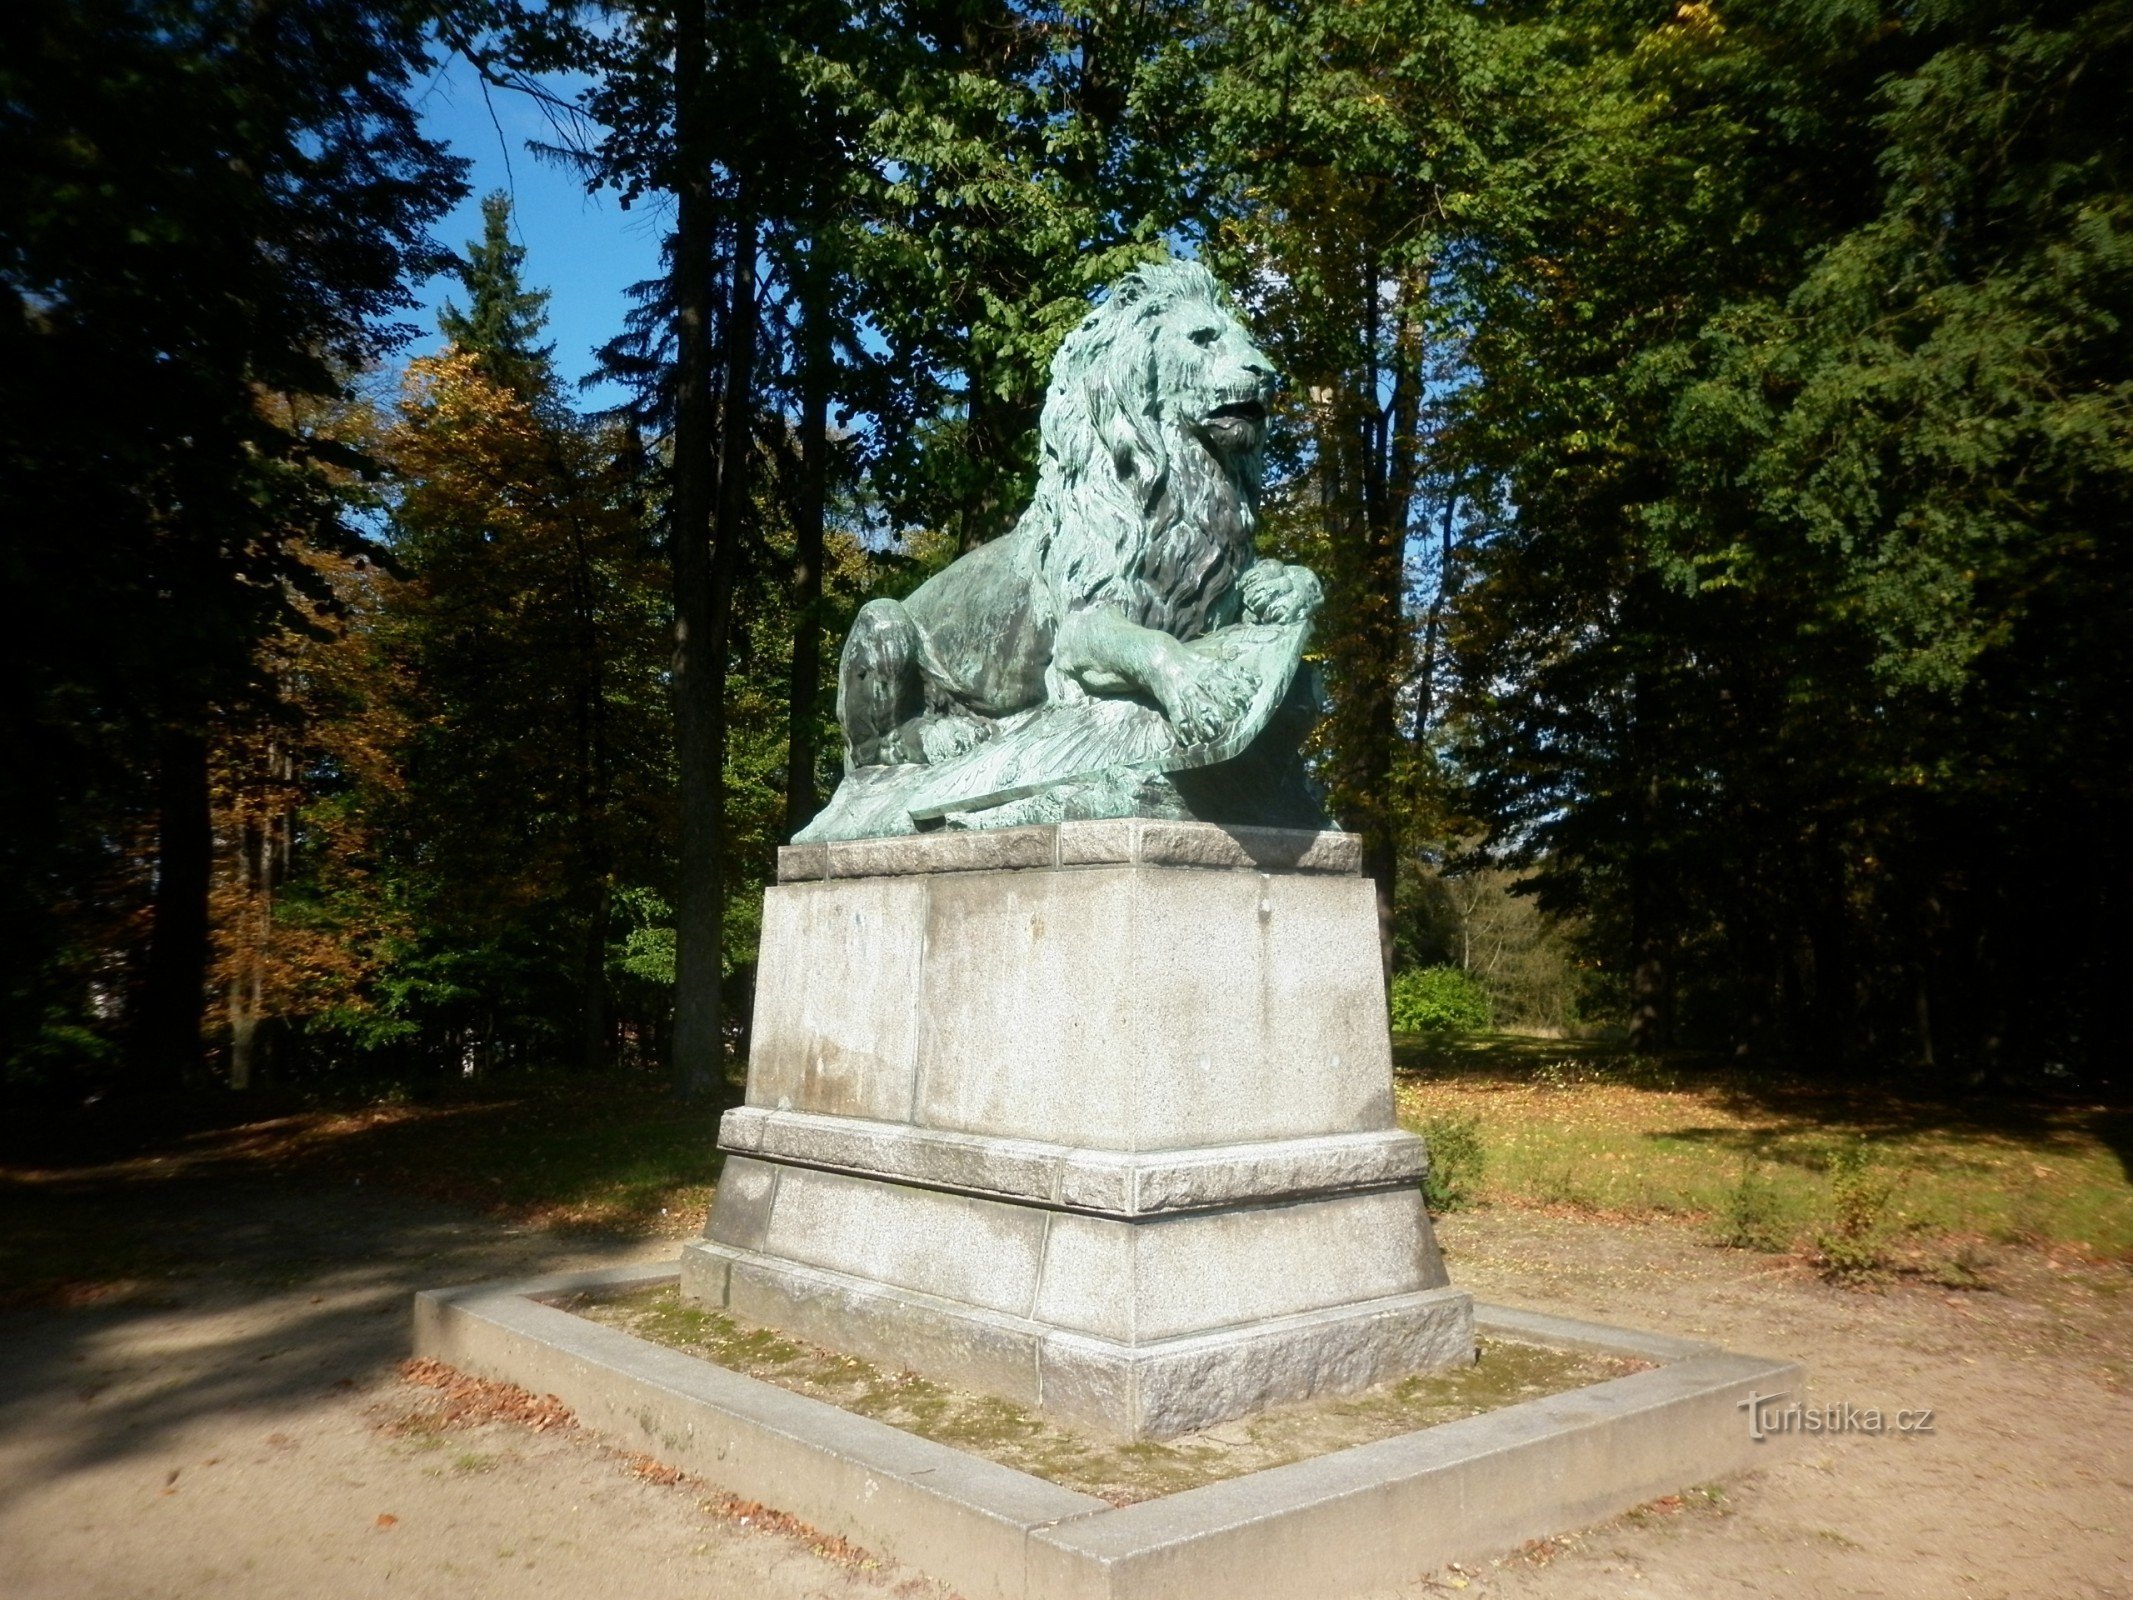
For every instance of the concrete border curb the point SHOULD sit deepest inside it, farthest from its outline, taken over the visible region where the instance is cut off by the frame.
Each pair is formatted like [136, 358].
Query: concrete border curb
[1368, 1517]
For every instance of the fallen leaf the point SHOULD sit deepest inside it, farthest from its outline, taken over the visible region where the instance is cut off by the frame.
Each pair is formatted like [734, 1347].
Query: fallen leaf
[386, 1519]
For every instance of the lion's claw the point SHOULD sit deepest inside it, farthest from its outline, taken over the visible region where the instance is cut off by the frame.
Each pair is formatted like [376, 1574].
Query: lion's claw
[1201, 703]
[1276, 593]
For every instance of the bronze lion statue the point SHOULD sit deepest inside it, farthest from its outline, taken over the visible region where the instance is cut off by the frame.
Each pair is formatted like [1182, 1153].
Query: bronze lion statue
[1124, 625]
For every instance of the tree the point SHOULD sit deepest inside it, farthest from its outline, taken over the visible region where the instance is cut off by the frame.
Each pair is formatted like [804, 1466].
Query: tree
[305, 917]
[503, 317]
[690, 101]
[1348, 144]
[536, 773]
[1018, 159]
[1800, 361]
[203, 203]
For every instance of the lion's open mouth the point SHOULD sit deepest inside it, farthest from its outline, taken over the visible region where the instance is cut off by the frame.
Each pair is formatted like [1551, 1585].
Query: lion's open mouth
[1239, 411]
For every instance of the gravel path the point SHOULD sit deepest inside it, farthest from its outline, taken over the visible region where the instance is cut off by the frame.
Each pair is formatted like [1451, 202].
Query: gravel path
[229, 1430]
[2023, 1488]
[233, 1424]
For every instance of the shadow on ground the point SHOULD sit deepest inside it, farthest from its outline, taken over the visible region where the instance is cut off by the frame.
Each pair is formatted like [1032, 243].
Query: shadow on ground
[197, 1292]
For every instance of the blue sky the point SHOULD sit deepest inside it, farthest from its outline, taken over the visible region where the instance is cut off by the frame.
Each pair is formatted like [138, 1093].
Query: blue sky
[585, 249]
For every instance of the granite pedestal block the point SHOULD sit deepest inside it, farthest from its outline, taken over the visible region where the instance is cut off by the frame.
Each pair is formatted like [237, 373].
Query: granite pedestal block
[1095, 1116]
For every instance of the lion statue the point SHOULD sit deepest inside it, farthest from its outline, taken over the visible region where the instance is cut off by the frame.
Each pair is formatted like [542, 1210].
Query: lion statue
[1125, 617]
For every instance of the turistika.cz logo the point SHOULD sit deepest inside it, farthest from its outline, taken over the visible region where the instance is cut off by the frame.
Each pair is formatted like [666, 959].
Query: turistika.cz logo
[1773, 1415]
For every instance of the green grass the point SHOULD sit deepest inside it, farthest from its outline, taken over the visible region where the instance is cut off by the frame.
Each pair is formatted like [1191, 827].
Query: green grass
[1584, 1128]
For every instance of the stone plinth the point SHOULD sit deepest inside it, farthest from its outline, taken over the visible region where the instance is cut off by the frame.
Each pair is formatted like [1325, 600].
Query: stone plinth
[1095, 1116]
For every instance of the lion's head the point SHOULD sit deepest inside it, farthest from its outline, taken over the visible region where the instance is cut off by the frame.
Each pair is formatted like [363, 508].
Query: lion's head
[1154, 430]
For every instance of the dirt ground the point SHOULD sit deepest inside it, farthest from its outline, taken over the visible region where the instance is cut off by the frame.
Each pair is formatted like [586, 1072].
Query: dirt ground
[232, 1422]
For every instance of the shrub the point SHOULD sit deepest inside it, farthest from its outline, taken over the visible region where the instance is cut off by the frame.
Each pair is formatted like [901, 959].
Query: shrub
[1751, 1216]
[1456, 1160]
[1859, 1194]
[1439, 1000]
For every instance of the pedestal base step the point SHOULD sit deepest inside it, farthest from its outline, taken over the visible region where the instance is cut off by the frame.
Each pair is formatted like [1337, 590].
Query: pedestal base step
[1122, 1183]
[1146, 1390]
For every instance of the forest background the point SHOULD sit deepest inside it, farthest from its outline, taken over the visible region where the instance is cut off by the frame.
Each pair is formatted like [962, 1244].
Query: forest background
[1714, 423]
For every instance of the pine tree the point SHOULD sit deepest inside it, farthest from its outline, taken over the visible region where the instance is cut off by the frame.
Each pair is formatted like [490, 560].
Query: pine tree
[503, 317]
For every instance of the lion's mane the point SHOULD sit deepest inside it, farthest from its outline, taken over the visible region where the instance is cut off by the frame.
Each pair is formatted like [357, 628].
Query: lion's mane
[1131, 509]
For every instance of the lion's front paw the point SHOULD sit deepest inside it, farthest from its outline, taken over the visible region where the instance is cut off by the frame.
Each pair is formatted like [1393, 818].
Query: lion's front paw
[1273, 592]
[1202, 699]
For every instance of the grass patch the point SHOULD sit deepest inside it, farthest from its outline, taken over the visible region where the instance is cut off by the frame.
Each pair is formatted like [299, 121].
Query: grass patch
[1761, 1160]
[1118, 1471]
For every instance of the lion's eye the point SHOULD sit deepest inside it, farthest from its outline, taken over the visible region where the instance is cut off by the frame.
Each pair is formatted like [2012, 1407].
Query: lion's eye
[1205, 335]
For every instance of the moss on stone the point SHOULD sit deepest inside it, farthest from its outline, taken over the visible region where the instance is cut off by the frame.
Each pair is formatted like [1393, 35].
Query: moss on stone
[1117, 1470]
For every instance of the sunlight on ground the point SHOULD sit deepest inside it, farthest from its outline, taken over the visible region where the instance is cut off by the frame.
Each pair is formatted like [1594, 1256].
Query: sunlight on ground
[1561, 1126]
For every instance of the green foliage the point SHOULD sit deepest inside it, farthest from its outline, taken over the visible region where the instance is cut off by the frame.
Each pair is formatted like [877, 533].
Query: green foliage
[1012, 169]
[1439, 1000]
[1345, 146]
[1479, 921]
[1853, 1246]
[646, 951]
[1798, 346]
[1752, 1213]
[1457, 1160]
[503, 316]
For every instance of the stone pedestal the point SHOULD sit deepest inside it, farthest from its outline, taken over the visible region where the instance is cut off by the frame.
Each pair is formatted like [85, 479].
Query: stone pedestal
[1095, 1116]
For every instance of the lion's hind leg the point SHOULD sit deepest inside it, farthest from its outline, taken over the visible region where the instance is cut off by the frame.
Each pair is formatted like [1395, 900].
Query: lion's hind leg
[880, 690]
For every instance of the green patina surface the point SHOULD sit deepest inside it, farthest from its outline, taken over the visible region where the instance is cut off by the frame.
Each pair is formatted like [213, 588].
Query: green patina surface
[1118, 1471]
[1122, 652]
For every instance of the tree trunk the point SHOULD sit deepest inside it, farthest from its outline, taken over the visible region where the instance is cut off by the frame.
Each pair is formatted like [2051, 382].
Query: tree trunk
[1651, 1019]
[1650, 980]
[243, 1005]
[258, 863]
[735, 505]
[801, 800]
[594, 866]
[697, 1058]
[1441, 597]
[596, 1014]
[1367, 453]
[174, 995]
[256, 1042]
